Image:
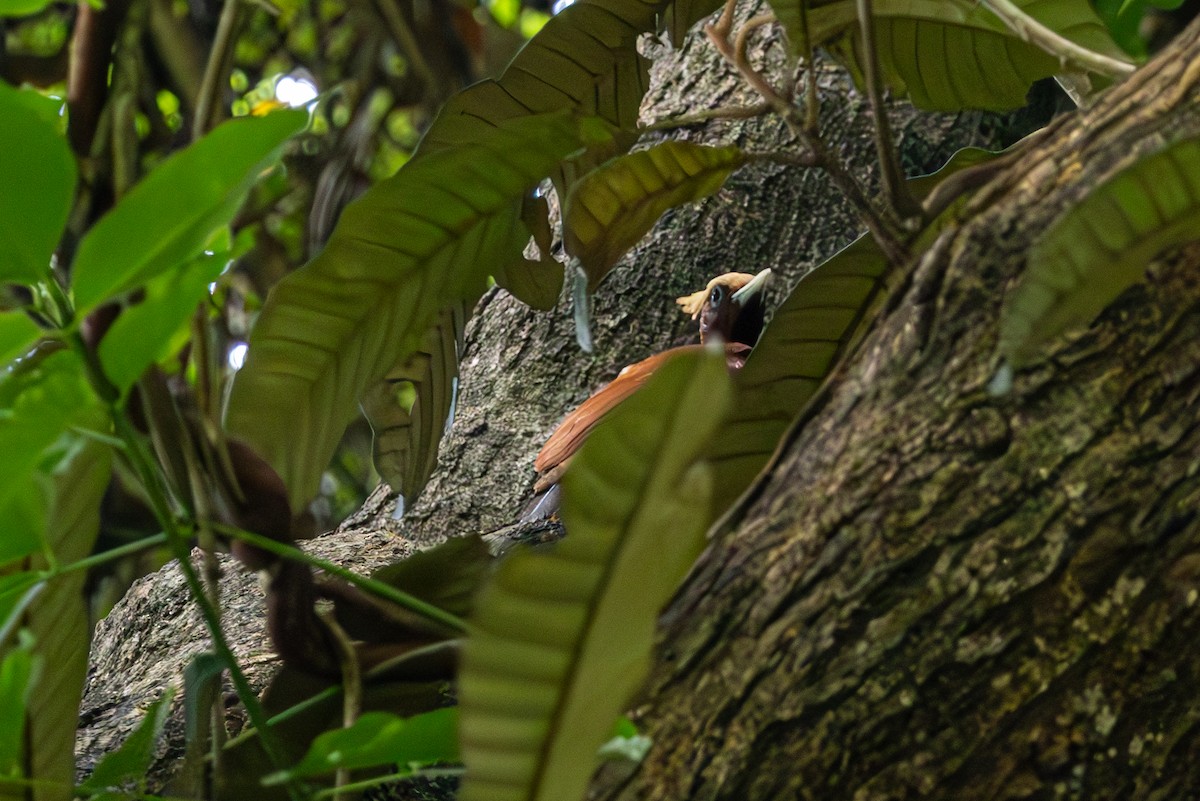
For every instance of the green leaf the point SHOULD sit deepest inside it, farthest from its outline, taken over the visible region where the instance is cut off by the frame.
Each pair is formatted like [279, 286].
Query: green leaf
[584, 59]
[21, 8]
[609, 210]
[407, 435]
[17, 671]
[130, 762]
[948, 55]
[143, 333]
[40, 396]
[535, 283]
[412, 245]
[35, 157]
[167, 218]
[71, 481]
[1101, 246]
[380, 738]
[17, 335]
[561, 637]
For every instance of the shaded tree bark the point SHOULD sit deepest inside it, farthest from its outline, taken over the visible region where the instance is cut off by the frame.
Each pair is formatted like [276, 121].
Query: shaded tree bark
[762, 587]
[941, 594]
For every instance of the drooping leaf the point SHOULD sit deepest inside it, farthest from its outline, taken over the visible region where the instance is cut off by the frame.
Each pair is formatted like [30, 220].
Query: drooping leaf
[584, 59]
[407, 435]
[143, 333]
[538, 283]
[130, 762]
[72, 483]
[1101, 246]
[412, 245]
[614, 206]
[948, 55]
[561, 638]
[167, 218]
[17, 669]
[380, 738]
[33, 155]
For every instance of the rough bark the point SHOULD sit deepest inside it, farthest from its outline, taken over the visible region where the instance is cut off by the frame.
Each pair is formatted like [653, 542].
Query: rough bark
[942, 594]
[522, 371]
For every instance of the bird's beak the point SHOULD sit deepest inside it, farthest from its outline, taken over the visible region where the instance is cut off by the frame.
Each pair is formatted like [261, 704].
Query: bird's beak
[752, 288]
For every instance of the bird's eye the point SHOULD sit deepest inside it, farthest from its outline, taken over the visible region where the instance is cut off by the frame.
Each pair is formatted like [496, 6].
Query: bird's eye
[718, 294]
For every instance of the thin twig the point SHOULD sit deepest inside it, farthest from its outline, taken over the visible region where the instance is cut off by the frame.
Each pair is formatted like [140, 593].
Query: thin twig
[403, 36]
[1035, 33]
[219, 59]
[894, 187]
[883, 233]
[812, 103]
[719, 113]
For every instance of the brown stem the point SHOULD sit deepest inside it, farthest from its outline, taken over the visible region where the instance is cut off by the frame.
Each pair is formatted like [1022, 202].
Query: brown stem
[894, 187]
[87, 78]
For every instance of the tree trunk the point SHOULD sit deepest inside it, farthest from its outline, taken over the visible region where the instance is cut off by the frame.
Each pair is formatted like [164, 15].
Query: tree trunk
[522, 371]
[942, 594]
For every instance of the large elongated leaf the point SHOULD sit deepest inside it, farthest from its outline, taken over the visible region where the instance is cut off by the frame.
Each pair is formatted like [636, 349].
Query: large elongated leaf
[562, 637]
[72, 484]
[407, 432]
[167, 218]
[949, 54]
[412, 245]
[1101, 246]
[584, 59]
[614, 206]
[39, 178]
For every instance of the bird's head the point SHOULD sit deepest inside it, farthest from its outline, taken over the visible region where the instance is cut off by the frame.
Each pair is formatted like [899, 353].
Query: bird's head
[730, 307]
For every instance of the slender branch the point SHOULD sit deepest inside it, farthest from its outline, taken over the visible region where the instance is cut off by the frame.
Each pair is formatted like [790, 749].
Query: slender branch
[219, 59]
[1057, 45]
[719, 113]
[403, 35]
[382, 590]
[879, 227]
[812, 103]
[894, 187]
[367, 784]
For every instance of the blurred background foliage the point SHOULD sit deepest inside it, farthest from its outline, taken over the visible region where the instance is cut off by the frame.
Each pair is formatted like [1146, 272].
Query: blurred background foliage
[374, 72]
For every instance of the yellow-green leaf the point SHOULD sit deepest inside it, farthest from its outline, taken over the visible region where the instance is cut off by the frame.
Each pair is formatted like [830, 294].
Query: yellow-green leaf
[39, 178]
[1101, 246]
[422, 240]
[949, 54]
[561, 637]
[410, 408]
[168, 217]
[609, 210]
